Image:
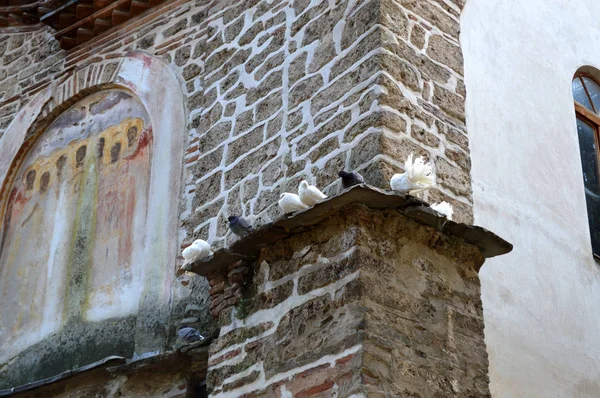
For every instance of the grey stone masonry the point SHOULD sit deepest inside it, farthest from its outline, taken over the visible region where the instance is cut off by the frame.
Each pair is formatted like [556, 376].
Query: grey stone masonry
[282, 90]
[277, 91]
[363, 302]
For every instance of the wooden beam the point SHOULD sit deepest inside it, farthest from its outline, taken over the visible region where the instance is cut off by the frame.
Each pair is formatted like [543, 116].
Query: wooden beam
[48, 14]
[585, 112]
[90, 18]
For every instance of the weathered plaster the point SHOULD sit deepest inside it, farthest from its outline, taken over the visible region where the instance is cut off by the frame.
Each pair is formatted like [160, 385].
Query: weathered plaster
[160, 95]
[83, 181]
[540, 301]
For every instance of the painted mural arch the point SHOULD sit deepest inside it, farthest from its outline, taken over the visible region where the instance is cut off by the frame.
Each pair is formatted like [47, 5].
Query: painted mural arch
[80, 199]
[96, 195]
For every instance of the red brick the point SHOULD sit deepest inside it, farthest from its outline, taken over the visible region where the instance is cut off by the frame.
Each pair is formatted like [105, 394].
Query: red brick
[252, 345]
[191, 149]
[217, 288]
[328, 385]
[216, 300]
[312, 370]
[224, 357]
[192, 159]
[345, 359]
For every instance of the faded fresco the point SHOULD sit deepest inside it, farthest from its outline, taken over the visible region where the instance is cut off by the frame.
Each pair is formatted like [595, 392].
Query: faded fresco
[74, 222]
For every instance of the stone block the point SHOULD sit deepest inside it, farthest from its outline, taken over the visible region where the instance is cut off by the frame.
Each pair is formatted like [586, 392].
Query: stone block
[321, 25]
[424, 136]
[269, 106]
[243, 122]
[453, 178]
[304, 90]
[182, 55]
[360, 22]
[449, 102]
[445, 52]
[297, 68]
[331, 270]
[176, 28]
[272, 82]
[370, 42]
[319, 327]
[208, 189]
[214, 137]
[245, 144]
[272, 297]
[209, 162]
[336, 124]
[273, 62]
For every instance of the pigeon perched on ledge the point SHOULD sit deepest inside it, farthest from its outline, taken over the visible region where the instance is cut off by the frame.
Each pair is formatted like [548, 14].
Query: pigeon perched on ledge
[444, 208]
[189, 335]
[290, 203]
[309, 194]
[198, 250]
[418, 177]
[350, 179]
[239, 226]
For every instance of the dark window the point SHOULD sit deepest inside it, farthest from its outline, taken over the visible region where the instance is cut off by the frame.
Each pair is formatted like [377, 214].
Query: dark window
[29, 180]
[80, 156]
[114, 152]
[586, 93]
[44, 181]
[60, 163]
[131, 134]
[100, 147]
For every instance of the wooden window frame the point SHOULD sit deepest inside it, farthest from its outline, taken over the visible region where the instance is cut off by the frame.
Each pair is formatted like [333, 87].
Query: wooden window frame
[592, 119]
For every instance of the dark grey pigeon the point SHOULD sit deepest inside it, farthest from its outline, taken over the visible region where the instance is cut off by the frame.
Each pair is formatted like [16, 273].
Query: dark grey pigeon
[189, 335]
[350, 179]
[239, 226]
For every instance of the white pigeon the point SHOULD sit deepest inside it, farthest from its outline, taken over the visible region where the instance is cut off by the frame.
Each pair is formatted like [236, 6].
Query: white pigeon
[290, 203]
[418, 177]
[309, 194]
[198, 250]
[444, 208]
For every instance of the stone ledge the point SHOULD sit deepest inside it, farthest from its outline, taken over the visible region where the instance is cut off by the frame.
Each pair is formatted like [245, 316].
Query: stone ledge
[248, 248]
[98, 365]
[172, 361]
[191, 358]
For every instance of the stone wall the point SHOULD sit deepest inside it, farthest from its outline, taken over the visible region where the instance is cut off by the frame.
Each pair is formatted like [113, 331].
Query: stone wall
[423, 84]
[368, 303]
[277, 91]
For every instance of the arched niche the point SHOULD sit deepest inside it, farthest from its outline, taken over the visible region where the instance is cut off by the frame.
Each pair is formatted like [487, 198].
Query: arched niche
[89, 208]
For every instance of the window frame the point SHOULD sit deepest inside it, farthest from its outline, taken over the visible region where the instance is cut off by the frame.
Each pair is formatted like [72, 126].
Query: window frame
[592, 119]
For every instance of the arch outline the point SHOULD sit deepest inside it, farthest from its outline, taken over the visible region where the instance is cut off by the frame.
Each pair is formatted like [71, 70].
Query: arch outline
[159, 91]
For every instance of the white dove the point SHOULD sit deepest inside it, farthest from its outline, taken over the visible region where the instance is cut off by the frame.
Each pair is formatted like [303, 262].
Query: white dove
[290, 202]
[198, 250]
[309, 194]
[444, 208]
[417, 178]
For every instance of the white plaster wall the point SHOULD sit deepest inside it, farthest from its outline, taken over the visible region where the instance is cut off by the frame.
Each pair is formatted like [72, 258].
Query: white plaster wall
[542, 301]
